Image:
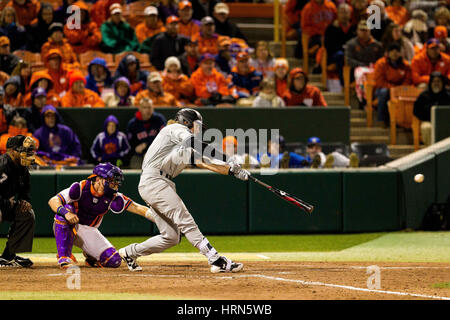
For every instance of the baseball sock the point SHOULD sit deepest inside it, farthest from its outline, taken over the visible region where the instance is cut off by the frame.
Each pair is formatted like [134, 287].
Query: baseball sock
[208, 251]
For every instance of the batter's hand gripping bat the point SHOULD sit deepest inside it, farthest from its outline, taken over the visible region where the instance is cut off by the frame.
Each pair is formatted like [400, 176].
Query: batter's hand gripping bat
[285, 196]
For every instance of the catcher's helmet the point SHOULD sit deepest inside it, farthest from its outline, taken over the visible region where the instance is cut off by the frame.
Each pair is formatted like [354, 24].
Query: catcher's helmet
[111, 174]
[188, 116]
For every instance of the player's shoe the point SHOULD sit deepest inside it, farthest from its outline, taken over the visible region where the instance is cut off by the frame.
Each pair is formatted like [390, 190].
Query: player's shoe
[225, 265]
[8, 263]
[131, 263]
[92, 262]
[329, 161]
[16, 262]
[315, 162]
[354, 160]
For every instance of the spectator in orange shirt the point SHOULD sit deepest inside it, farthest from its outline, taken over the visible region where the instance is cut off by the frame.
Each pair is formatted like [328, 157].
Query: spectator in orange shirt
[57, 71]
[13, 97]
[86, 38]
[211, 87]
[150, 26]
[316, 16]
[78, 95]
[429, 60]
[390, 71]
[245, 79]
[281, 76]
[207, 37]
[177, 83]
[187, 26]
[57, 41]
[41, 79]
[301, 93]
[293, 11]
[17, 126]
[156, 93]
[440, 33]
[27, 10]
[397, 12]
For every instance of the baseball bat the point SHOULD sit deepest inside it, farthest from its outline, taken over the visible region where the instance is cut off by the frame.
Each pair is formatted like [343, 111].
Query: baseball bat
[286, 196]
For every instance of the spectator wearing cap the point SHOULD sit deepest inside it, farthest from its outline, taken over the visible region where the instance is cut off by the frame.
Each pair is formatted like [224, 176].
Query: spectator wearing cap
[18, 126]
[189, 59]
[397, 12]
[394, 34]
[245, 80]
[416, 29]
[56, 40]
[301, 93]
[38, 31]
[187, 26]
[167, 44]
[315, 18]
[211, 87]
[435, 95]
[390, 71]
[13, 97]
[121, 97]
[101, 10]
[224, 26]
[177, 83]
[318, 159]
[278, 157]
[151, 25]
[224, 59]
[117, 35]
[263, 62]
[99, 76]
[203, 8]
[130, 68]
[336, 35]
[427, 61]
[7, 112]
[142, 129]
[27, 10]
[207, 38]
[267, 96]
[88, 36]
[378, 32]
[57, 71]
[156, 93]
[10, 27]
[281, 72]
[41, 79]
[8, 61]
[33, 114]
[440, 33]
[230, 149]
[78, 95]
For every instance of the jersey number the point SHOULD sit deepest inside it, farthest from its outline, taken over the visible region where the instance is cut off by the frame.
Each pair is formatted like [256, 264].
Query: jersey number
[3, 177]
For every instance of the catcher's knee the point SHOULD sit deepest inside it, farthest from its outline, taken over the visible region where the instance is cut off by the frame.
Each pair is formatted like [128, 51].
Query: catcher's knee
[110, 258]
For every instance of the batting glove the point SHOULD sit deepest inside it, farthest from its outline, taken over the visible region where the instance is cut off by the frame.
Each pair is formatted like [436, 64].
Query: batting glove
[237, 171]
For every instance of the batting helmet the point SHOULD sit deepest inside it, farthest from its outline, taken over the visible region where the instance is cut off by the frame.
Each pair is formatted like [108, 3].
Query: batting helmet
[188, 116]
[111, 174]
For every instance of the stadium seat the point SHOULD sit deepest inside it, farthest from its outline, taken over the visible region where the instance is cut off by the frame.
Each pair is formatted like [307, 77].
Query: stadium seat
[86, 58]
[297, 147]
[401, 107]
[34, 59]
[337, 146]
[323, 64]
[371, 154]
[347, 84]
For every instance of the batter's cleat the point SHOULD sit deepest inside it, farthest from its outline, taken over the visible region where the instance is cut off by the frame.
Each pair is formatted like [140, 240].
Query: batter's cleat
[131, 263]
[225, 265]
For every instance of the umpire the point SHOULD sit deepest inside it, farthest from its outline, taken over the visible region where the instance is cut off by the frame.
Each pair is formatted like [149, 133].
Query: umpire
[15, 204]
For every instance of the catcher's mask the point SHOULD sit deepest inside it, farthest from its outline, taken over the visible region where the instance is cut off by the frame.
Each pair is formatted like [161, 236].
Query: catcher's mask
[25, 146]
[113, 176]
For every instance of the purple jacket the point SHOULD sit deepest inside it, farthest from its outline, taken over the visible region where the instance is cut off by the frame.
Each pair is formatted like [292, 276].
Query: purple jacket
[59, 142]
[110, 147]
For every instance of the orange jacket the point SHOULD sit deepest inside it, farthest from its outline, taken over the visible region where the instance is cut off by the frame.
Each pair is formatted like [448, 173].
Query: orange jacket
[15, 102]
[89, 97]
[14, 131]
[398, 14]
[143, 32]
[310, 93]
[100, 11]
[181, 88]
[292, 14]
[204, 85]
[60, 78]
[164, 100]
[85, 39]
[281, 85]
[206, 45]
[52, 96]
[27, 12]
[316, 18]
[386, 76]
[188, 29]
[422, 67]
[67, 53]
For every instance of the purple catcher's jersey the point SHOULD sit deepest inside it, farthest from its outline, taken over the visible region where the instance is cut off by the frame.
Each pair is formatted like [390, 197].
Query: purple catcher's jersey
[89, 206]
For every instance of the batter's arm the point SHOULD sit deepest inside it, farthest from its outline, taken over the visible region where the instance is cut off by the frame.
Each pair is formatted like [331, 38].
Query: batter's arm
[218, 168]
[141, 210]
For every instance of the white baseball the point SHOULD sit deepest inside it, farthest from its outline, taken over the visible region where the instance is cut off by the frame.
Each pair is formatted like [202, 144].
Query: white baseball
[419, 178]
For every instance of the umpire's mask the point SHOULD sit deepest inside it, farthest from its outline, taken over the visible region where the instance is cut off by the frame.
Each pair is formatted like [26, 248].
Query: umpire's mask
[27, 152]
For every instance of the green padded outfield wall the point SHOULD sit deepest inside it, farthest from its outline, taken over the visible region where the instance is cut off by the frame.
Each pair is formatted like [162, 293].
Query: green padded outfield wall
[298, 123]
[370, 200]
[440, 118]
[443, 174]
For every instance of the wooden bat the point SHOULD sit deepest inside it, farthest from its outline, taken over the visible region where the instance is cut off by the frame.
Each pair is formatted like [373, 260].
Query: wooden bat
[286, 196]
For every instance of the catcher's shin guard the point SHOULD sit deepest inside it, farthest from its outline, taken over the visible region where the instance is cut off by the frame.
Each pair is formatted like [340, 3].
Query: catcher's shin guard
[64, 237]
[110, 258]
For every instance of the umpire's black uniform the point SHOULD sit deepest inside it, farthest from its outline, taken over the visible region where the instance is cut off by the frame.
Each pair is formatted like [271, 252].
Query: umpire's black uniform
[14, 187]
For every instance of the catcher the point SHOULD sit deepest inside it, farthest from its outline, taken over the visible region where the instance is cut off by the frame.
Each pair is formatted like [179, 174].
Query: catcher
[79, 210]
[15, 200]
[174, 149]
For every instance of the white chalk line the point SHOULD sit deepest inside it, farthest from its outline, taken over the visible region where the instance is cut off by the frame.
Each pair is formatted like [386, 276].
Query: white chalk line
[262, 256]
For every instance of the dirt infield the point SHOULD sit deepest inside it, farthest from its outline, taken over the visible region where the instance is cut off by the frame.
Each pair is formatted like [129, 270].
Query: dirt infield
[265, 280]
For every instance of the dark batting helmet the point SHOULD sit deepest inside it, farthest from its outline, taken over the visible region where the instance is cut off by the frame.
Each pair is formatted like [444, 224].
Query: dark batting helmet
[188, 116]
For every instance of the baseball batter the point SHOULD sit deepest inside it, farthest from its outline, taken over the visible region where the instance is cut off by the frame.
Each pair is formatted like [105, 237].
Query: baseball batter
[79, 210]
[174, 149]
